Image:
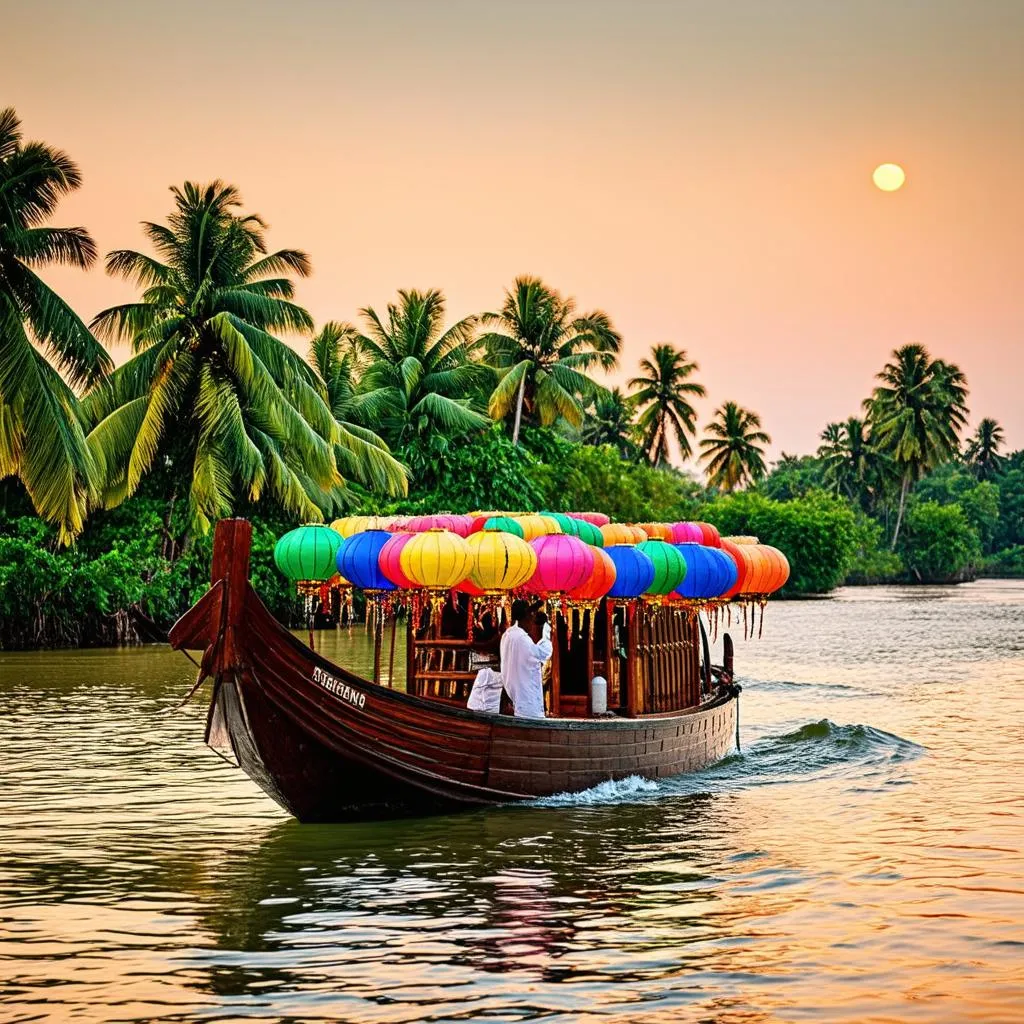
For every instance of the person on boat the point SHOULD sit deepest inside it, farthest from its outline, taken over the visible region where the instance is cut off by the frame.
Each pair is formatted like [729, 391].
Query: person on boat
[523, 658]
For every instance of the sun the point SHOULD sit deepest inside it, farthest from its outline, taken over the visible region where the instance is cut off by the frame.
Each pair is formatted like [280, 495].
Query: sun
[889, 177]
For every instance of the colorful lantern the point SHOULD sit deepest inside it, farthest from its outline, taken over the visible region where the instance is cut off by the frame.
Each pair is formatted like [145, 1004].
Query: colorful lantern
[566, 524]
[596, 518]
[687, 533]
[437, 559]
[390, 563]
[505, 524]
[349, 525]
[657, 531]
[600, 581]
[619, 533]
[358, 560]
[563, 563]
[500, 561]
[534, 526]
[711, 536]
[634, 571]
[307, 554]
[669, 566]
[589, 533]
[744, 566]
[710, 572]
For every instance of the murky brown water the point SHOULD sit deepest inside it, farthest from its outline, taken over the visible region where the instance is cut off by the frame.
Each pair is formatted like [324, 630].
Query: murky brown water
[860, 861]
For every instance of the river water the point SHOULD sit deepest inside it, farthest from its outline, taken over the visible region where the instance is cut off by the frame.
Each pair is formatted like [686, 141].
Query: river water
[859, 860]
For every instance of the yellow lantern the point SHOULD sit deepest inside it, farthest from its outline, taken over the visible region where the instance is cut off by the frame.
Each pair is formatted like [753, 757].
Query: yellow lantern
[535, 526]
[500, 561]
[436, 559]
[349, 525]
[619, 533]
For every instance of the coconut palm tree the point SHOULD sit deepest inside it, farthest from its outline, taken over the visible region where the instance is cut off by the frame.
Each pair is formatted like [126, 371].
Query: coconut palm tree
[847, 456]
[915, 416]
[982, 453]
[610, 421]
[210, 387]
[733, 451]
[360, 453]
[543, 352]
[41, 437]
[663, 394]
[421, 380]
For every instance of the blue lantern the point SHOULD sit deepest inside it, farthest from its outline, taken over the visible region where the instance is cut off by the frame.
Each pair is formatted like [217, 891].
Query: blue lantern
[358, 560]
[710, 572]
[634, 571]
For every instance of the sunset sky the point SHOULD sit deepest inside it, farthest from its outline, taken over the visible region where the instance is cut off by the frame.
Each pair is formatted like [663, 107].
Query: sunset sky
[702, 171]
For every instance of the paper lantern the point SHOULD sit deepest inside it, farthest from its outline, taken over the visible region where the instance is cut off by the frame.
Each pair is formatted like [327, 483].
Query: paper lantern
[349, 525]
[596, 518]
[669, 566]
[710, 572]
[306, 554]
[534, 526]
[657, 531]
[467, 586]
[589, 533]
[566, 524]
[506, 524]
[500, 561]
[563, 563]
[358, 560]
[744, 566]
[769, 570]
[620, 533]
[437, 559]
[687, 533]
[634, 571]
[600, 581]
[390, 562]
[711, 536]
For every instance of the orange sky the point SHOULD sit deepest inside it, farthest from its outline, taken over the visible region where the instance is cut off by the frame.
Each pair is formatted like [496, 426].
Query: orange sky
[701, 171]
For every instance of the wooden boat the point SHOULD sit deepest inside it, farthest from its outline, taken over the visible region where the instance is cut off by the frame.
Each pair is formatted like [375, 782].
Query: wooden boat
[329, 745]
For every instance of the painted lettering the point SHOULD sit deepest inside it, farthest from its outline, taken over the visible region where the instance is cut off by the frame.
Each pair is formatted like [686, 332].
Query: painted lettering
[340, 689]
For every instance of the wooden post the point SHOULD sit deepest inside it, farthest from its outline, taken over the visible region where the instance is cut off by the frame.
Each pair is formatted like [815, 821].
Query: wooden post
[410, 654]
[589, 620]
[391, 657]
[232, 542]
[727, 655]
[611, 656]
[378, 642]
[631, 661]
[556, 682]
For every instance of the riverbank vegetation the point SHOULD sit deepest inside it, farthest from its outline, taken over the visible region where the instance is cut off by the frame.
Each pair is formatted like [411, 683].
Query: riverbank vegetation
[233, 402]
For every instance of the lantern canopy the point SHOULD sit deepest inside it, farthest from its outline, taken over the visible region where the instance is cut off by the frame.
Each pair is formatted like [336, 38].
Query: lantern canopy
[307, 554]
[566, 524]
[500, 561]
[437, 559]
[669, 566]
[620, 533]
[359, 560]
[744, 566]
[563, 563]
[349, 525]
[634, 571]
[711, 537]
[589, 533]
[657, 531]
[595, 518]
[600, 581]
[687, 533]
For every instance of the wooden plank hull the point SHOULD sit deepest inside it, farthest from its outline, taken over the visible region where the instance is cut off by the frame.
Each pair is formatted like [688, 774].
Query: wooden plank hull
[328, 745]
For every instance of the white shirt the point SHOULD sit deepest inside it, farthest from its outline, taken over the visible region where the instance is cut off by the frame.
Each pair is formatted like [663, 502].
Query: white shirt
[521, 664]
[486, 692]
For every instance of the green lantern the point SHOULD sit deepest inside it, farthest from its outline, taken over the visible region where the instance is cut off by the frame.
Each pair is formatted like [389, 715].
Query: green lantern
[505, 524]
[307, 554]
[567, 523]
[589, 533]
[669, 566]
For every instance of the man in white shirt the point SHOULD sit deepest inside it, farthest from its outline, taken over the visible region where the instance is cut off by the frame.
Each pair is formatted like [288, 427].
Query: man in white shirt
[522, 660]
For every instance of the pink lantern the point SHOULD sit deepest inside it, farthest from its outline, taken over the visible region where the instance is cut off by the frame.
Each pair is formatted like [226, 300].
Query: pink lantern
[596, 518]
[563, 563]
[687, 533]
[390, 563]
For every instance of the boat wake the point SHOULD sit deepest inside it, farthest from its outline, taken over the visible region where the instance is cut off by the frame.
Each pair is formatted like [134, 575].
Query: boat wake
[859, 753]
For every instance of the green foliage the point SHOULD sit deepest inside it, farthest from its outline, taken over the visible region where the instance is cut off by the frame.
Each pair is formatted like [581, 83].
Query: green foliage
[872, 562]
[663, 393]
[1010, 532]
[793, 476]
[732, 449]
[1008, 562]
[951, 484]
[818, 534]
[939, 544]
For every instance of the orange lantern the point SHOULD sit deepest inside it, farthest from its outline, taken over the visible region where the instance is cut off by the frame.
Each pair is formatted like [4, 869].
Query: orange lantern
[657, 531]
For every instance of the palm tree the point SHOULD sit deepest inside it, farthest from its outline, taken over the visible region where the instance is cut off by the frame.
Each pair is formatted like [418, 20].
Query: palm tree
[210, 387]
[733, 451]
[847, 456]
[610, 421]
[662, 395]
[41, 437]
[360, 454]
[543, 352]
[916, 415]
[421, 380]
[982, 452]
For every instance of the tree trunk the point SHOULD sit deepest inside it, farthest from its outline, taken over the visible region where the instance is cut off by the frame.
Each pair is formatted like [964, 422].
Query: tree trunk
[899, 514]
[519, 410]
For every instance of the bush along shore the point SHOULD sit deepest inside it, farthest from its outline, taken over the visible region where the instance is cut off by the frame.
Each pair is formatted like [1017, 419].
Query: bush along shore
[111, 477]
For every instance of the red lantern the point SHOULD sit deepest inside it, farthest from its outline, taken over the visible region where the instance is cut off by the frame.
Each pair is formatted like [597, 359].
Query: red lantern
[710, 535]
[601, 579]
[744, 565]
